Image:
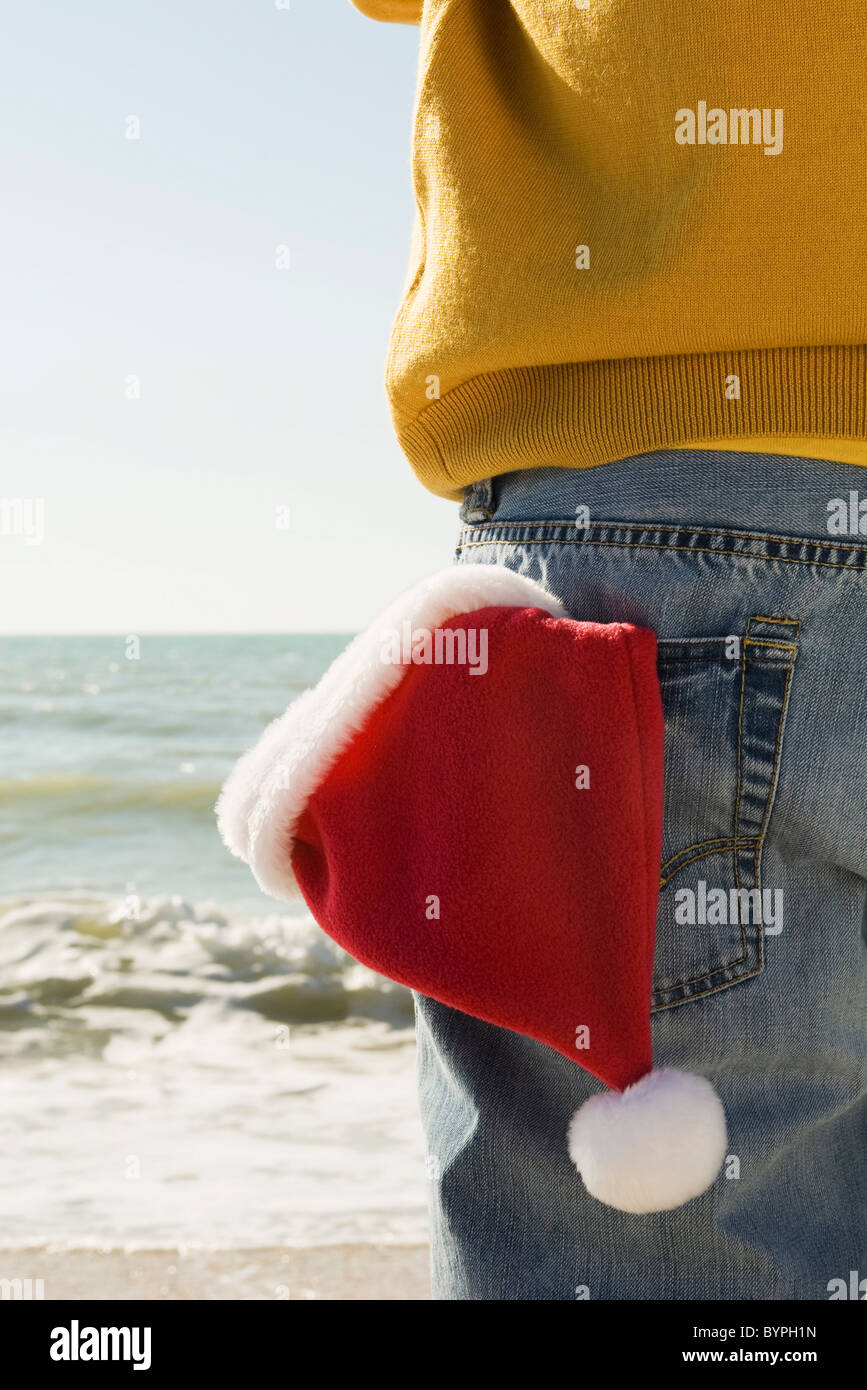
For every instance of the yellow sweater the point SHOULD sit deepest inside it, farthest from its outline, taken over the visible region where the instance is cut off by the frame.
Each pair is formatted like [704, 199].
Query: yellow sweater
[640, 225]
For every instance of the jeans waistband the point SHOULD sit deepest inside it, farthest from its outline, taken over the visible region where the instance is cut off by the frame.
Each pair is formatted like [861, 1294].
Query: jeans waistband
[769, 493]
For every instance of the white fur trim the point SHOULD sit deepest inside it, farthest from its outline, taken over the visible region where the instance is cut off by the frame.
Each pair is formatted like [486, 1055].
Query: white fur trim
[267, 791]
[653, 1146]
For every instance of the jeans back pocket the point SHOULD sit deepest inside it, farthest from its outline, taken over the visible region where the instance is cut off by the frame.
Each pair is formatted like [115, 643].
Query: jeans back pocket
[725, 701]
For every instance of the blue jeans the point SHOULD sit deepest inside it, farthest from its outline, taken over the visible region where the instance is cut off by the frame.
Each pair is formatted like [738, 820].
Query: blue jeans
[761, 615]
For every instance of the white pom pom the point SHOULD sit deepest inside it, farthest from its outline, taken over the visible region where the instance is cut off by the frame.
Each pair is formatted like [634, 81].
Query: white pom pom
[653, 1146]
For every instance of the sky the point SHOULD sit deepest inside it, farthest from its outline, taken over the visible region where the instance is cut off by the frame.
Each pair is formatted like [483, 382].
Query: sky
[200, 431]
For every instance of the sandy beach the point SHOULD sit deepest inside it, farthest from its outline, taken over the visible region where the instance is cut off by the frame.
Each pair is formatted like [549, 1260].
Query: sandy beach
[332, 1272]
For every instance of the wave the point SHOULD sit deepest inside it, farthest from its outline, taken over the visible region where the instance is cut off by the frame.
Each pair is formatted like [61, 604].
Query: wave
[72, 955]
[75, 791]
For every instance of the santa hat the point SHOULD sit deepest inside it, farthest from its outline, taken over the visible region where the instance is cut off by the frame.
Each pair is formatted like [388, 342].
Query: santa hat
[470, 802]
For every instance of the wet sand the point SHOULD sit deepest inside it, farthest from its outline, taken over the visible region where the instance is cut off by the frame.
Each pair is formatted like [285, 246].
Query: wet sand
[333, 1272]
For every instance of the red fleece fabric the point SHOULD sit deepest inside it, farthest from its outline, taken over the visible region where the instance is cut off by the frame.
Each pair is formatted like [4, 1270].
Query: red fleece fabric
[450, 849]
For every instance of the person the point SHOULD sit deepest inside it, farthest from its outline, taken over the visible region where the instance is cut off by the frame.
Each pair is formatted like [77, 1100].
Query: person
[633, 347]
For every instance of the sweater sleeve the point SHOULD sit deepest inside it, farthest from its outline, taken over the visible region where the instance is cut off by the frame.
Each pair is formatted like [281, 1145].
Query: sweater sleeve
[397, 11]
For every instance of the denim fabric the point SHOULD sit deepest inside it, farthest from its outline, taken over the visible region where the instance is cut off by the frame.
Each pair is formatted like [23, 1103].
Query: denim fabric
[761, 616]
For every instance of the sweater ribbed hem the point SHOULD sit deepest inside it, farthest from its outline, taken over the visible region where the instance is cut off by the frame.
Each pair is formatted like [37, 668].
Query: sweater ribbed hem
[580, 414]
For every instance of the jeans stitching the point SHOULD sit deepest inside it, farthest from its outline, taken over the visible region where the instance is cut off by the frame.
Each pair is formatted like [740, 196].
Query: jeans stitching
[701, 994]
[672, 526]
[719, 847]
[699, 844]
[692, 550]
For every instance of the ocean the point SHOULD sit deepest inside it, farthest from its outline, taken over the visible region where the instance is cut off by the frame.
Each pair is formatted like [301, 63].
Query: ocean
[185, 1062]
